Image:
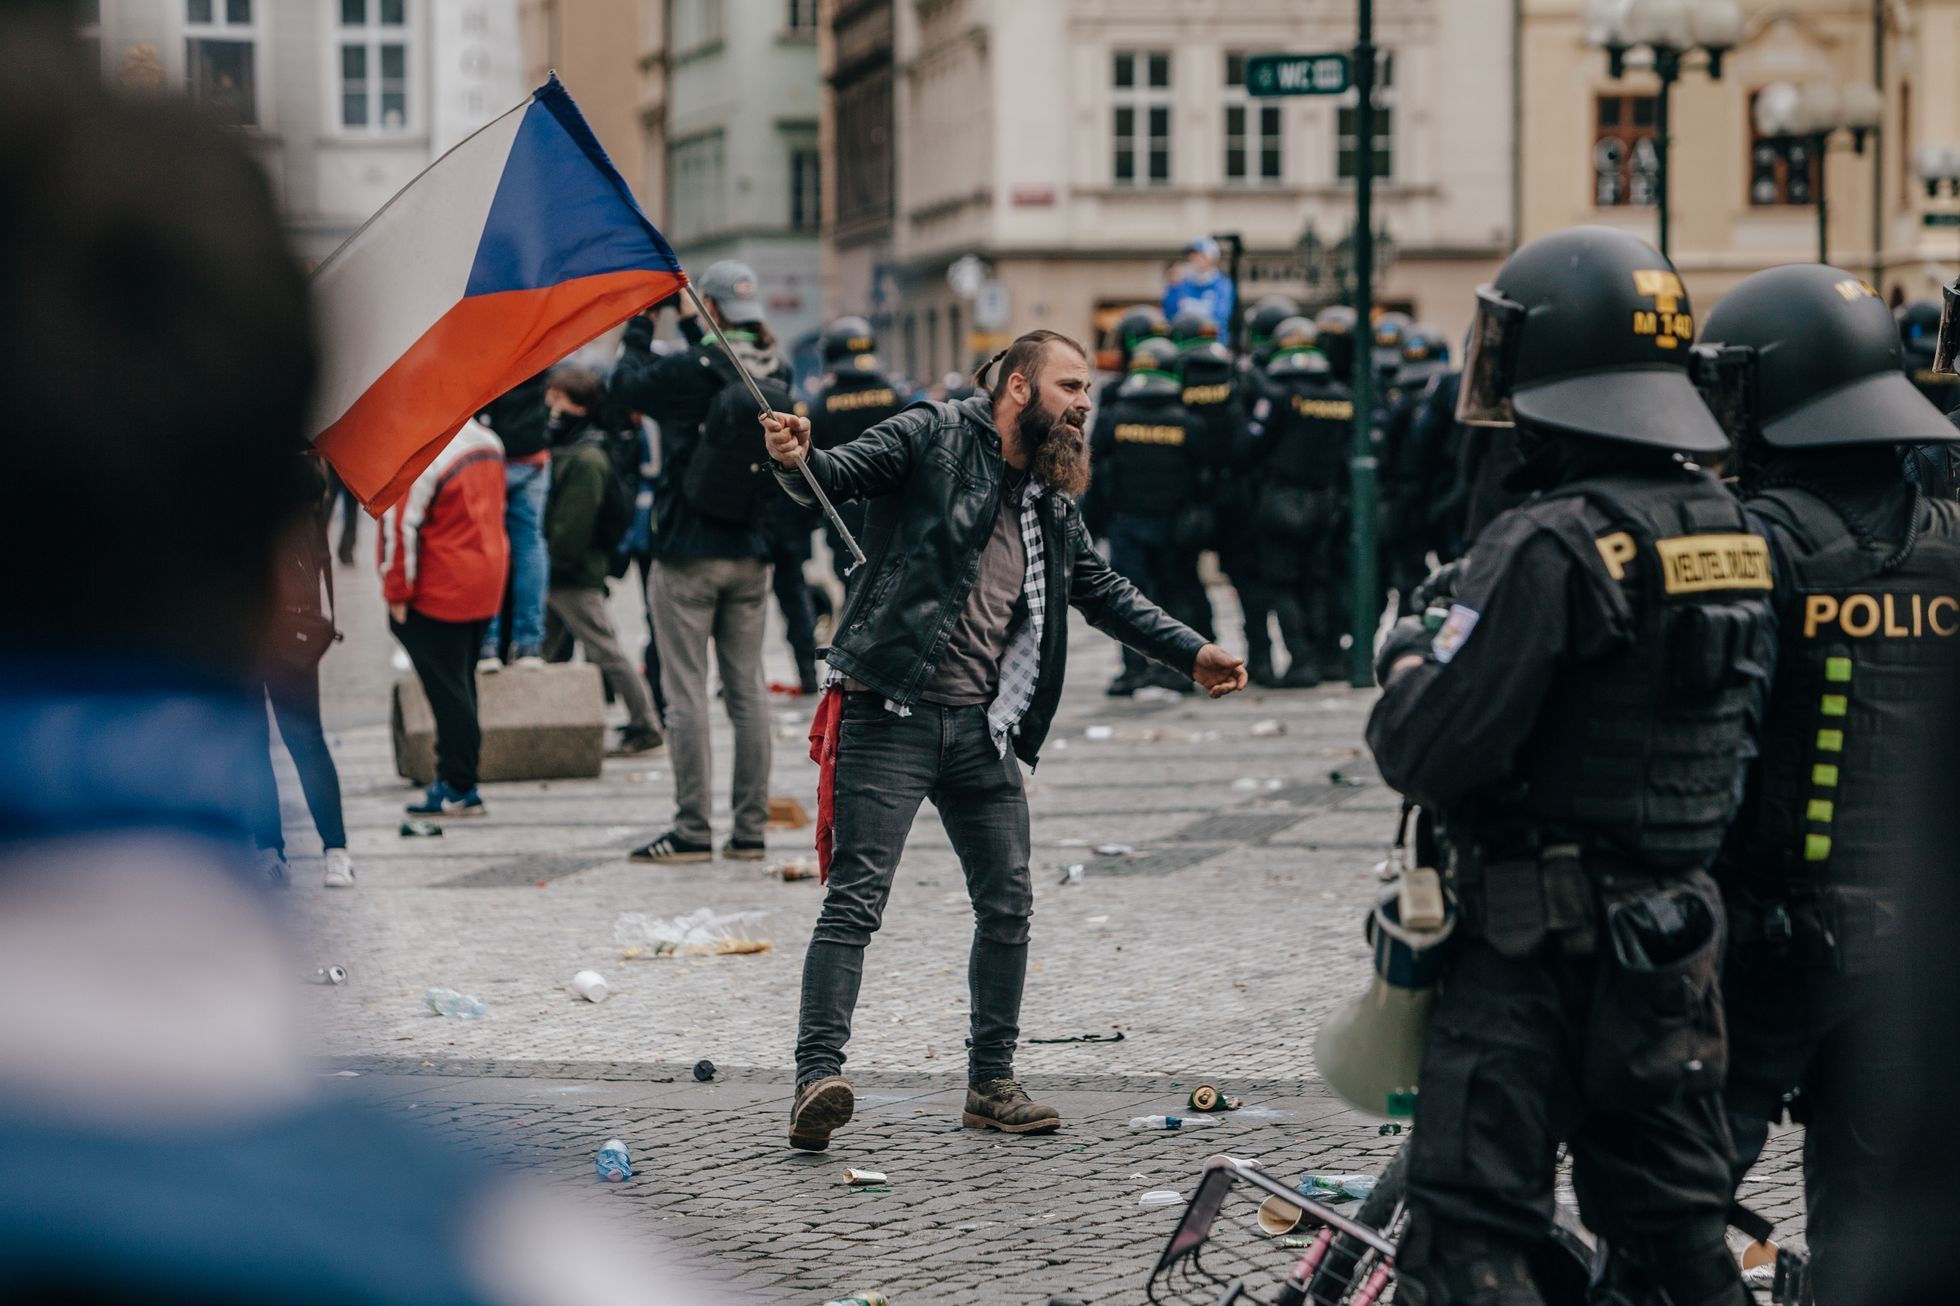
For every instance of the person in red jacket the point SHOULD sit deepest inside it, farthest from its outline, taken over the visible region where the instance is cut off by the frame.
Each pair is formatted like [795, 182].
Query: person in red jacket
[444, 556]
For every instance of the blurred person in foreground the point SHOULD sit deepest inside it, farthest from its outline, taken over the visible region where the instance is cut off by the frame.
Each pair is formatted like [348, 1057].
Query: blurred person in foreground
[162, 1134]
[945, 676]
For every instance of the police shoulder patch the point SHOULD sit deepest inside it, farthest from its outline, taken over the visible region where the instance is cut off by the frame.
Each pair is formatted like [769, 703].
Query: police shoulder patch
[1455, 632]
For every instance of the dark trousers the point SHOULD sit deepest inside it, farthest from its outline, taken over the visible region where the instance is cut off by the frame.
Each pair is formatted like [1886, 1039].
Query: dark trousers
[1143, 549]
[1837, 1041]
[650, 660]
[1501, 1089]
[793, 597]
[444, 655]
[295, 695]
[886, 766]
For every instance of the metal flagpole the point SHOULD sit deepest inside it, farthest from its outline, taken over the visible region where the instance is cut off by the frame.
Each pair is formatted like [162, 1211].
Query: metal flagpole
[755, 392]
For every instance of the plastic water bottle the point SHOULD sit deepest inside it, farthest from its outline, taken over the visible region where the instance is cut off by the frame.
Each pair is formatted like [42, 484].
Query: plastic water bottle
[613, 1165]
[1338, 1187]
[448, 1002]
[1170, 1122]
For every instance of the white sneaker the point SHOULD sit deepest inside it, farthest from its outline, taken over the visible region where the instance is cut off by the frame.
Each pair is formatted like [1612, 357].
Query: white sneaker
[529, 660]
[489, 666]
[340, 869]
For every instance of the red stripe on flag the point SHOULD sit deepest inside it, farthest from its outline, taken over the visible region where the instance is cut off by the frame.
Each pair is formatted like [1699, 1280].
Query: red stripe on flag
[477, 350]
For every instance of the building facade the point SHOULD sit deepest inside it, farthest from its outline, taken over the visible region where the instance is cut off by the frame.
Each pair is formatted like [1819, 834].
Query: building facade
[344, 101]
[731, 165]
[1739, 201]
[1076, 146]
[595, 47]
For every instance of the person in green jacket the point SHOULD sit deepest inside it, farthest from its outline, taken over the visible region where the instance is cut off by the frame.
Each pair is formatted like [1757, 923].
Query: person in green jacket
[579, 517]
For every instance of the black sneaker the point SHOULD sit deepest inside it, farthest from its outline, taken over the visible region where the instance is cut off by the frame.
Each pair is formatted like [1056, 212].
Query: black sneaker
[745, 850]
[822, 1107]
[632, 743]
[1126, 684]
[1004, 1105]
[1301, 675]
[670, 848]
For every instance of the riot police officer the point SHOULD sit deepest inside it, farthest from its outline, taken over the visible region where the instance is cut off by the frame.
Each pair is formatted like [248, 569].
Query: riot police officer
[1336, 327]
[1576, 721]
[1148, 494]
[1419, 417]
[1214, 395]
[1137, 325]
[1802, 366]
[1934, 468]
[1389, 330]
[1263, 322]
[854, 396]
[1301, 429]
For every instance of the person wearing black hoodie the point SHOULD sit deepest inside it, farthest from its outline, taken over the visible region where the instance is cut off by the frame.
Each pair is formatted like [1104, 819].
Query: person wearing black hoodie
[710, 579]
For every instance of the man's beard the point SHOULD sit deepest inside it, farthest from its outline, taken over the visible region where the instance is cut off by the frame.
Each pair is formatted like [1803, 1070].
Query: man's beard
[1058, 456]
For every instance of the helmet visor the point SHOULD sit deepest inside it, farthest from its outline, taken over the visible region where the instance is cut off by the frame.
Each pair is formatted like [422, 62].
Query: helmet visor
[1484, 396]
[1946, 352]
[1726, 377]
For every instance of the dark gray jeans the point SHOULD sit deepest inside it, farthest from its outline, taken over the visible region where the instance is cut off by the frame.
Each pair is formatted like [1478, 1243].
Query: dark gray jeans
[886, 765]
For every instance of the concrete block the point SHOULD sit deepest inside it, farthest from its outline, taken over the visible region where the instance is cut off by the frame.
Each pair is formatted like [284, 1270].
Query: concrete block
[539, 723]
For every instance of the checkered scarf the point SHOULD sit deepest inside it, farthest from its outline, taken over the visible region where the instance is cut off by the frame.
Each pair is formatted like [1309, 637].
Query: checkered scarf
[1020, 665]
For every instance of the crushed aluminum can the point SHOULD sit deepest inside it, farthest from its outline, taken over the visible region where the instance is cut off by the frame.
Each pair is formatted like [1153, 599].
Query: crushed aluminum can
[864, 1178]
[421, 830]
[1072, 874]
[328, 975]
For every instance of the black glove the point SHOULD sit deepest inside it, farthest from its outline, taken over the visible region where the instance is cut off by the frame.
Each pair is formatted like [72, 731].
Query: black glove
[1406, 636]
[1440, 589]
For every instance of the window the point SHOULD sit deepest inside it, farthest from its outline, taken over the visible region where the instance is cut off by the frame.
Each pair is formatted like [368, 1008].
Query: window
[697, 184]
[1782, 169]
[697, 24]
[802, 16]
[805, 189]
[863, 151]
[1252, 131]
[1141, 124]
[221, 58]
[1347, 123]
[374, 38]
[1625, 158]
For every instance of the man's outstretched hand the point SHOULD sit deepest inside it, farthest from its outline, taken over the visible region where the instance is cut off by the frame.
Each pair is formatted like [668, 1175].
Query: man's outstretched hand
[788, 437]
[1218, 671]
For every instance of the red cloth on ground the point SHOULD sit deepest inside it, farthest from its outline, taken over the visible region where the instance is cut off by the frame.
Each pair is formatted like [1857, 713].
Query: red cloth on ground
[823, 751]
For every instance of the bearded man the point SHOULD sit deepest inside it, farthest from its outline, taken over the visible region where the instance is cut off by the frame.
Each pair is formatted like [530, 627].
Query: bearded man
[946, 670]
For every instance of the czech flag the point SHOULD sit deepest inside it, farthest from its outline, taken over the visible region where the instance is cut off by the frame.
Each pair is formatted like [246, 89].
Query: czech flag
[505, 255]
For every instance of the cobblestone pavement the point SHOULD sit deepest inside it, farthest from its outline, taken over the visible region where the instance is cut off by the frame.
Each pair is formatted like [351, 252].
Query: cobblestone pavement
[1214, 948]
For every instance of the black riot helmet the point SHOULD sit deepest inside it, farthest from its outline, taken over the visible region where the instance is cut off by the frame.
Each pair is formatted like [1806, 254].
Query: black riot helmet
[1153, 369]
[1587, 333]
[1299, 362]
[1806, 356]
[1425, 344]
[1192, 327]
[1919, 324]
[1294, 333]
[1336, 319]
[1336, 324]
[1266, 315]
[1139, 324]
[849, 340]
[1947, 350]
[1204, 362]
[1390, 328]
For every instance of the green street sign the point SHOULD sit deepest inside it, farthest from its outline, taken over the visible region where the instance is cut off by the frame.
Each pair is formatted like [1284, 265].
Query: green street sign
[1296, 74]
[1941, 220]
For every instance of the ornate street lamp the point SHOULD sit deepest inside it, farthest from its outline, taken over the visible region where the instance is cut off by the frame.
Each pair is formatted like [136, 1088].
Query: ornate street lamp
[1813, 113]
[1669, 31]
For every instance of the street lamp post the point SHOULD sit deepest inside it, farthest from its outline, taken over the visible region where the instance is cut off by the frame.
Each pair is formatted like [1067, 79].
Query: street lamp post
[1668, 31]
[1937, 166]
[1812, 113]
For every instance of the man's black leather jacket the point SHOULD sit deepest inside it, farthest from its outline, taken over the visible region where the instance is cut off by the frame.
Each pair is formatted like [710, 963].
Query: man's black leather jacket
[932, 476]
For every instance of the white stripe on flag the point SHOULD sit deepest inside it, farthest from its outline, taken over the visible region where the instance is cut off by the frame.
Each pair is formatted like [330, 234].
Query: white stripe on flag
[394, 278]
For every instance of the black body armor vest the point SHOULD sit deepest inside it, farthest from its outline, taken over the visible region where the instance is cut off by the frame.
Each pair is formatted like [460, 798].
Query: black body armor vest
[849, 406]
[1640, 755]
[1309, 428]
[1864, 675]
[1154, 459]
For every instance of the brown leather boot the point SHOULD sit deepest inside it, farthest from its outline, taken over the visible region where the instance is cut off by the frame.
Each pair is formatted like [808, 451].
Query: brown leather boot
[1003, 1104]
[822, 1105]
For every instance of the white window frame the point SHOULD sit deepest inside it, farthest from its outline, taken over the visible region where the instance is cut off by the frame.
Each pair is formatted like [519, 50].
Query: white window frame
[1385, 78]
[1253, 139]
[806, 186]
[370, 36]
[221, 28]
[1141, 99]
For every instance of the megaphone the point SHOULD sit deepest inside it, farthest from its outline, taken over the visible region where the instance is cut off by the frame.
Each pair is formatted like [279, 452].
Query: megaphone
[1370, 1051]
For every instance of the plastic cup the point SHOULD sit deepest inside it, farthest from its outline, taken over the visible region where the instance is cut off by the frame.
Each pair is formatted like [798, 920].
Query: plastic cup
[590, 985]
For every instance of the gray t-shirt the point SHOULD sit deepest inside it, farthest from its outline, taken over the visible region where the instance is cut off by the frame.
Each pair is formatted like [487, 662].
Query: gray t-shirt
[969, 670]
